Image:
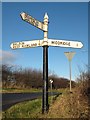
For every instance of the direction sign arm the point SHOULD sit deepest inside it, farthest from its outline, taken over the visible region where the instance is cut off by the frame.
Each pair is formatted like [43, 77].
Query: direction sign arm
[32, 21]
[64, 43]
[26, 44]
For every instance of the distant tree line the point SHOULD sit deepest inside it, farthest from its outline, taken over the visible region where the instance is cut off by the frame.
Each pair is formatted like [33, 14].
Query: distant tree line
[18, 77]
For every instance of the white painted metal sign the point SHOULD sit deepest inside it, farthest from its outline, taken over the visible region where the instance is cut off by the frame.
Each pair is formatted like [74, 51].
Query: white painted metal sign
[64, 43]
[48, 42]
[32, 21]
[26, 44]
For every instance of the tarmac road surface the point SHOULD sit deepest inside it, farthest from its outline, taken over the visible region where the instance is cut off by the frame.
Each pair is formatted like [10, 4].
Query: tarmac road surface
[9, 99]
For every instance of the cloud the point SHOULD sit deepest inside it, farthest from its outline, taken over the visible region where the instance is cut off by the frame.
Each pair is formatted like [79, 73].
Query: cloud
[7, 57]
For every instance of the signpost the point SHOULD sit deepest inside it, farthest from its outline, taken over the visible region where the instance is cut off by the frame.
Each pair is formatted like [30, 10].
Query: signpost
[43, 43]
[69, 56]
[45, 105]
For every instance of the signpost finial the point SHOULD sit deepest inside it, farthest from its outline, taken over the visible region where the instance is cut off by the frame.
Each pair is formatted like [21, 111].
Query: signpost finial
[46, 16]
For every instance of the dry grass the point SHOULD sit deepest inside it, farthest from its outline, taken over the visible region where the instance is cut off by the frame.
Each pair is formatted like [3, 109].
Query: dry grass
[75, 104]
[69, 105]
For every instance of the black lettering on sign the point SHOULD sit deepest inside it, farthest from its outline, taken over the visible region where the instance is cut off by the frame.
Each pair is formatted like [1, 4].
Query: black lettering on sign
[22, 44]
[60, 43]
[52, 42]
[14, 45]
[28, 18]
[26, 15]
[34, 44]
[64, 43]
[27, 46]
[18, 46]
[56, 42]
[36, 23]
[32, 21]
[69, 44]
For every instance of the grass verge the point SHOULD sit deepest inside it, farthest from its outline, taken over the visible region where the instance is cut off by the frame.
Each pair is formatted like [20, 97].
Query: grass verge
[27, 109]
[15, 90]
[18, 90]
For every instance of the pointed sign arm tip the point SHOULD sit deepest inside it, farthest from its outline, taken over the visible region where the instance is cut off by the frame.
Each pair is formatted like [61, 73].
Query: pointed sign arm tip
[22, 14]
[82, 45]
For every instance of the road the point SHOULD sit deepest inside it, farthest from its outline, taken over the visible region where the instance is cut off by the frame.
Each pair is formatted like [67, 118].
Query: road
[9, 99]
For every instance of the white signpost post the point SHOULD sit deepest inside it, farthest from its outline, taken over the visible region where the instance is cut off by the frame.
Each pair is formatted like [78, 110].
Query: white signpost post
[43, 43]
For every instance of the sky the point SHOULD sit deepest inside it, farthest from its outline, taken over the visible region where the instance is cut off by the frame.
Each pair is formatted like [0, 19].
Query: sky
[67, 20]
